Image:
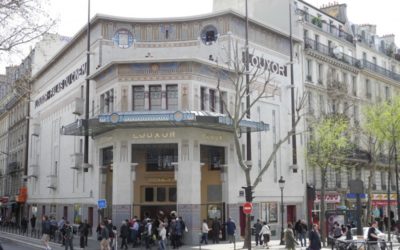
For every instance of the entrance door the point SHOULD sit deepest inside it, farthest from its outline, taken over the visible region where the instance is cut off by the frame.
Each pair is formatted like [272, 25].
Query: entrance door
[291, 214]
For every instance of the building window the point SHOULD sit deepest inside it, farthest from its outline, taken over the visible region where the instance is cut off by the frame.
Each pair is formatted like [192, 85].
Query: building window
[107, 101]
[354, 85]
[320, 73]
[309, 70]
[172, 97]
[149, 194]
[223, 102]
[338, 178]
[212, 100]
[203, 98]
[212, 156]
[155, 97]
[209, 34]
[107, 156]
[172, 194]
[138, 98]
[383, 180]
[156, 157]
[161, 194]
[387, 93]
[368, 93]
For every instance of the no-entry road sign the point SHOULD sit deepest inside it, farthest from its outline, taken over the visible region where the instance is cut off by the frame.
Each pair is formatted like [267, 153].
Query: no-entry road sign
[247, 208]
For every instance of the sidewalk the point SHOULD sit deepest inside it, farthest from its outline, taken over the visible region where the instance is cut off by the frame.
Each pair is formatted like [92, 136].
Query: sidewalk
[94, 244]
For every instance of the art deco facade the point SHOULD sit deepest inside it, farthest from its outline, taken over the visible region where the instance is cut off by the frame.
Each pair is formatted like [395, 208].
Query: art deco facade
[159, 137]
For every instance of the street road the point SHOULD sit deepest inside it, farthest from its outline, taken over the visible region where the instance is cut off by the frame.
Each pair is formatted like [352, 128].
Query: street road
[12, 245]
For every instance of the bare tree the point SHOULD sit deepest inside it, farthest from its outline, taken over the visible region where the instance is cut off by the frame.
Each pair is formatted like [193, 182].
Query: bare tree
[21, 22]
[232, 75]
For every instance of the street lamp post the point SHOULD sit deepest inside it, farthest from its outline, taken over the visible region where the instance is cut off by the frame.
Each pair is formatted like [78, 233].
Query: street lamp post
[282, 186]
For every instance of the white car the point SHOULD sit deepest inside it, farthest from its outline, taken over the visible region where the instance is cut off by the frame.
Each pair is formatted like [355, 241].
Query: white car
[380, 234]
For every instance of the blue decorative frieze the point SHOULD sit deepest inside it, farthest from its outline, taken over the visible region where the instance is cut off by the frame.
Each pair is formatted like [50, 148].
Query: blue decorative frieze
[162, 116]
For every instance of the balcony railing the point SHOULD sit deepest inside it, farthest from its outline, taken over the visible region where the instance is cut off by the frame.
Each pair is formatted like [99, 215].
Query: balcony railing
[380, 70]
[320, 23]
[312, 44]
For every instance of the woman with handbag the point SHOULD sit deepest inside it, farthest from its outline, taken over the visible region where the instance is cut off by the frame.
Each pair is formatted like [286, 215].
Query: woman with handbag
[265, 233]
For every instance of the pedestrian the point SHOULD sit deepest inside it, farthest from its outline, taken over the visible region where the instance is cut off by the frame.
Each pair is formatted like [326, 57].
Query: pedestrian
[103, 237]
[215, 230]
[178, 231]
[302, 231]
[148, 233]
[114, 242]
[86, 228]
[172, 233]
[61, 230]
[33, 224]
[134, 231]
[204, 232]
[69, 236]
[81, 230]
[257, 229]
[230, 228]
[349, 235]
[163, 236]
[24, 225]
[265, 232]
[46, 230]
[290, 241]
[315, 238]
[372, 237]
[124, 233]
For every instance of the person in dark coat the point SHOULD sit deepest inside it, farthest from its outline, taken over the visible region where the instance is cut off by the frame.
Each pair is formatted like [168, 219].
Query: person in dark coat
[257, 229]
[231, 228]
[24, 225]
[215, 229]
[315, 238]
[124, 233]
[81, 230]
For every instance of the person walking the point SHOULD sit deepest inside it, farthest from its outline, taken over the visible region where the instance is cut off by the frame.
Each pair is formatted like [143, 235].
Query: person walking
[24, 225]
[257, 229]
[104, 236]
[68, 236]
[215, 230]
[86, 228]
[314, 238]
[302, 231]
[124, 233]
[163, 236]
[265, 232]
[81, 230]
[33, 224]
[231, 229]
[372, 237]
[204, 232]
[46, 230]
[290, 241]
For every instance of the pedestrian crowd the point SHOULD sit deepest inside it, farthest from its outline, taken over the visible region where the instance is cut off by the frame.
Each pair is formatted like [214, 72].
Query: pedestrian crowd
[147, 232]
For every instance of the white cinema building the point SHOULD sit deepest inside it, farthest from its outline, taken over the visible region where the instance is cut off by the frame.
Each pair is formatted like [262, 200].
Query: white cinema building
[159, 138]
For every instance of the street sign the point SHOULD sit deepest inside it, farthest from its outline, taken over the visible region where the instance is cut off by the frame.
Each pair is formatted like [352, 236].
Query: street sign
[102, 203]
[247, 208]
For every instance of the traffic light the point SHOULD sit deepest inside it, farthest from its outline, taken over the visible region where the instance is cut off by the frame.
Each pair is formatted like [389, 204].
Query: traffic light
[248, 193]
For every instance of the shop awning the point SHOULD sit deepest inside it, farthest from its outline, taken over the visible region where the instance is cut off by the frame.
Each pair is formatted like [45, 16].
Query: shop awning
[159, 119]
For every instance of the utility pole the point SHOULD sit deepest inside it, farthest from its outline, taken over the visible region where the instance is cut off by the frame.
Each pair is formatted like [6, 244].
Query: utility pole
[86, 146]
[248, 133]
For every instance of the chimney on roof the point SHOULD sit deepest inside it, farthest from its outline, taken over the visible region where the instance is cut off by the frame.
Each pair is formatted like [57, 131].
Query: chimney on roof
[389, 38]
[339, 11]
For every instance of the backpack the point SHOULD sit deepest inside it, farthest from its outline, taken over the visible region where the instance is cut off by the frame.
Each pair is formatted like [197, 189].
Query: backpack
[68, 232]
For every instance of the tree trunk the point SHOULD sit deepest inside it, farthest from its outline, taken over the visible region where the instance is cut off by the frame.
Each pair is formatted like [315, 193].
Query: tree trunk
[322, 212]
[247, 233]
[369, 191]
